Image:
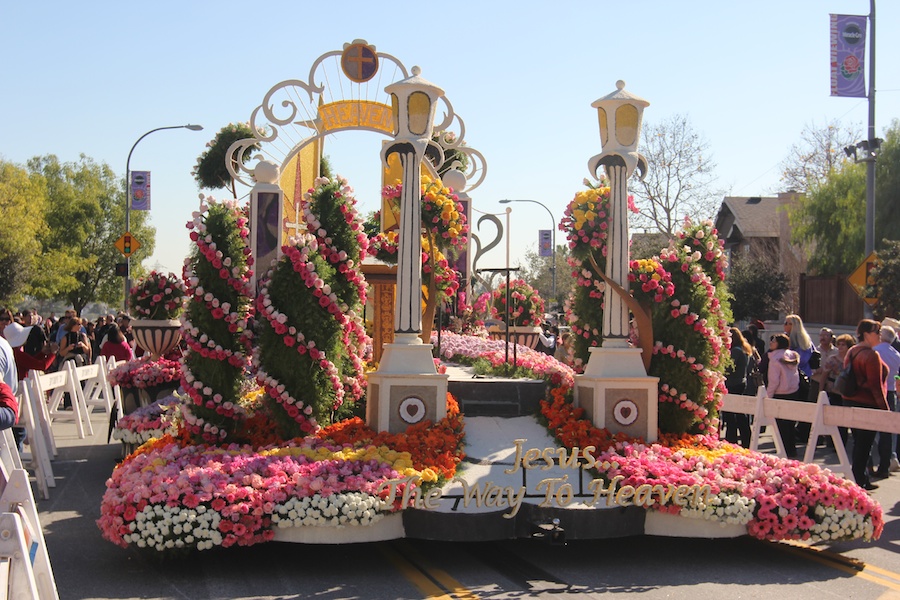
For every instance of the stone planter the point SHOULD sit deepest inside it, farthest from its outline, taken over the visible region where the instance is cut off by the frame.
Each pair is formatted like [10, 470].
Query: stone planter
[156, 336]
[526, 336]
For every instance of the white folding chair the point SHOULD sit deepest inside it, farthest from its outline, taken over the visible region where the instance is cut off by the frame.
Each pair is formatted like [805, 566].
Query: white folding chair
[58, 384]
[93, 386]
[38, 440]
[22, 540]
[115, 390]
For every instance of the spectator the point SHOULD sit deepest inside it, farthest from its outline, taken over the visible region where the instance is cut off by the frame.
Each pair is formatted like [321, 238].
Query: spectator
[800, 342]
[870, 374]
[832, 366]
[8, 371]
[75, 345]
[547, 338]
[116, 346]
[752, 335]
[737, 425]
[784, 383]
[9, 407]
[891, 358]
[21, 339]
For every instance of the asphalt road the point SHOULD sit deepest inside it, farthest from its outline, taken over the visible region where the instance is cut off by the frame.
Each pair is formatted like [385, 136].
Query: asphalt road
[87, 567]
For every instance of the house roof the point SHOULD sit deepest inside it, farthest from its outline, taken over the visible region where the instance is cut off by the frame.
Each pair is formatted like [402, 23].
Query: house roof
[753, 216]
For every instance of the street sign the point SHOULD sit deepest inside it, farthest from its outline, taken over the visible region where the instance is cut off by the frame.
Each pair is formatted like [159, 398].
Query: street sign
[861, 279]
[127, 244]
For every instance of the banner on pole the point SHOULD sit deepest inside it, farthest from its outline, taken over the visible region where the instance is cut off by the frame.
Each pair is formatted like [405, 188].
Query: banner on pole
[140, 190]
[545, 242]
[848, 56]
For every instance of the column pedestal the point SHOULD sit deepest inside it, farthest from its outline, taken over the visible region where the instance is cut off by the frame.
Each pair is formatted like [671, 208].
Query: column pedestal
[406, 389]
[616, 393]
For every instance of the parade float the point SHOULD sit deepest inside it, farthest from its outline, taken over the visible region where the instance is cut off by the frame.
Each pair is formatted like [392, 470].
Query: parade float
[286, 430]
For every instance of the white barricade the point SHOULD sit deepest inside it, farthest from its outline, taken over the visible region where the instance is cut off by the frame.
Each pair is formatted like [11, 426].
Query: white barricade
[22, 543]
[115, 390]
[37, 438]
[823, 418]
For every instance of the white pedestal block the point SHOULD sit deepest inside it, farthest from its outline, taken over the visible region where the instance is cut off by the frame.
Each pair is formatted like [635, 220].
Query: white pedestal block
[616, 393]
[406, 389]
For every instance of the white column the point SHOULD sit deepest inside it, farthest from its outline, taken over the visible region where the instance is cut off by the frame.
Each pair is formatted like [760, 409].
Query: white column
[615, 311]
[408, 308]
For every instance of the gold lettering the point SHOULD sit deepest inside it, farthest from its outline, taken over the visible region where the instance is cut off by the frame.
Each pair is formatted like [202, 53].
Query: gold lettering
[588, 457]
[698, 490]
[530, 455]
[568, 460]
[517, 459]
[623, 496]
[432, 498]
[549, 483]
[681, 493]
[665, 493]
[547, 455]
[514, 499]
[643, 495]
[564, 494]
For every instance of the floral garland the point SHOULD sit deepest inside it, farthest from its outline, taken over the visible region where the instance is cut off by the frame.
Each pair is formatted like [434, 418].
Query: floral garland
[526, 305]
[144, 372]
[215, 327]
[236, 495]
[777, 499]
[157, 296]
[442, 214]
[312, 339]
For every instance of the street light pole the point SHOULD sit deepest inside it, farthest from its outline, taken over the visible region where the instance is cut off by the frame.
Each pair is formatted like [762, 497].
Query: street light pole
[553, 253]
[128, 199]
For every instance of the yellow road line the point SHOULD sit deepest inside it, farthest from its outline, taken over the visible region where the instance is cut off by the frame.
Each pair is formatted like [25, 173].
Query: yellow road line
[845, 564]
[430, 580]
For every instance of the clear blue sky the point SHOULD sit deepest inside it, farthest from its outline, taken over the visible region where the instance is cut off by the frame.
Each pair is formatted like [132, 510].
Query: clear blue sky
[92, 77]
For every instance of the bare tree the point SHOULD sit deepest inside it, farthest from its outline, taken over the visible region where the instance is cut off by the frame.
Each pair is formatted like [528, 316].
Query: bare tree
[819, 152]
[679, 180]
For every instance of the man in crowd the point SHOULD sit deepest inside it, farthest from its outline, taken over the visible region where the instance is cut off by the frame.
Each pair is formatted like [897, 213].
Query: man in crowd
[891, 358]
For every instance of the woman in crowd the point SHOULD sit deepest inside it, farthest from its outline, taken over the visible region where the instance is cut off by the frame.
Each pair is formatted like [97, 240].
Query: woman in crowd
[800, 342]
[737, 425]
[831, 367]
[116, 346]
[870, 374]
[74, 344]
[784, 383]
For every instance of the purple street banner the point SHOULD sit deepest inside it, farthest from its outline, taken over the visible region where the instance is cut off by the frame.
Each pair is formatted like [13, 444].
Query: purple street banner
[140, 190]
[848, 56]
[545, 242]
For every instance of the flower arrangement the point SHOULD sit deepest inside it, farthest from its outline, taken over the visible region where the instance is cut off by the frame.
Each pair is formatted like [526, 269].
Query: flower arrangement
[467, 349]
[144, 372]
[777, 499]
[312, 342]
[158, 296]
[526, 308]
[149, 422]
[443, 216]
[238, 495]
[217, 276]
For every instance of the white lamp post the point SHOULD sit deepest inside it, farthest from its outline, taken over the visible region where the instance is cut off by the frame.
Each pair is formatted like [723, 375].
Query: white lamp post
[128, 198]
[620, 114]
[553, 223]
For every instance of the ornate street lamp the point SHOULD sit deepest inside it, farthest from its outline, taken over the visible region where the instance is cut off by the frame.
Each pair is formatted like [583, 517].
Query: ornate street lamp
[553, 234]
[413, 101]
[620, 114]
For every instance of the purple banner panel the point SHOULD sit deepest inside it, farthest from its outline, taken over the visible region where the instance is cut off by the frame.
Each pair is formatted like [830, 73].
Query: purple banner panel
[140, 190]
[545, 242]
[848, 56]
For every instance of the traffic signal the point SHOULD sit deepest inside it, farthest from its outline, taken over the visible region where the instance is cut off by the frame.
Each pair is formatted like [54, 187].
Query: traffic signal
[126, 245]
[121, 269]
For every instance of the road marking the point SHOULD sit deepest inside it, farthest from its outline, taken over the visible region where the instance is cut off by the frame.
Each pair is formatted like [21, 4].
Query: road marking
[888, 579]
[432, 581]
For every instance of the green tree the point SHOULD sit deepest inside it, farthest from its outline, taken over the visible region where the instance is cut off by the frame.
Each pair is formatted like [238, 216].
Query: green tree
[886, 278]
[757, 286]
[85, 216]
[22, 204]
[211, 170]
[537, 273]
[831, 217]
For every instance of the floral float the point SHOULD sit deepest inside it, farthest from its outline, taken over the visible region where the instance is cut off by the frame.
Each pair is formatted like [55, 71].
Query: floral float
[158, 296]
